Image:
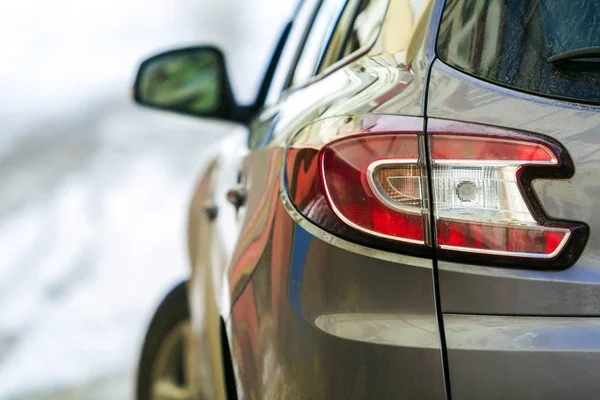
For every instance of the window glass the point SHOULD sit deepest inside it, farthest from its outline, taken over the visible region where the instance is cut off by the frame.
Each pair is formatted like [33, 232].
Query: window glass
[300, 26]
[509, 42]
[366, 26]
[317, 40]
[341, 34]
[357, 25]
[357, 29]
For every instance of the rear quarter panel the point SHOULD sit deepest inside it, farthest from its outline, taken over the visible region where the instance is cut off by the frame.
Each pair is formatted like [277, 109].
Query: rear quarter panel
[320, 317]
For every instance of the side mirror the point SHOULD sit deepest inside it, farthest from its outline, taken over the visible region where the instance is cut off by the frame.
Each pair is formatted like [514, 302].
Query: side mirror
[190, 80]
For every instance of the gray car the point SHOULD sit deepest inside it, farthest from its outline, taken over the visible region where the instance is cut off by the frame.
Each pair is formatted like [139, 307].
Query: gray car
[408, 210]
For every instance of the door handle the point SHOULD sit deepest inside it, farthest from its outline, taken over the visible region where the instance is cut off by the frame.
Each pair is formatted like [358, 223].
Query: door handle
[237, 196]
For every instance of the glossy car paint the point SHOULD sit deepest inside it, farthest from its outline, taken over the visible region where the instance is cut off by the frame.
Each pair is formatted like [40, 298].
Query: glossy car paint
[285, 334]
[573, 291]
[213, 227]
[309, 315]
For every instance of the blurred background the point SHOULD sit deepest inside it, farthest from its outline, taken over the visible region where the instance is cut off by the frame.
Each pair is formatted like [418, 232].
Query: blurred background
[95, 189]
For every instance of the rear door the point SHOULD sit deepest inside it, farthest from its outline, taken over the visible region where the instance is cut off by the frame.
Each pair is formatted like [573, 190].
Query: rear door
[524, 325]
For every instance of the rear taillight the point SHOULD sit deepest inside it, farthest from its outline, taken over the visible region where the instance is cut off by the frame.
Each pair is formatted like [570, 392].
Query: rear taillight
[478, 205]
[373, 183]
[485, 209]
[365, 179]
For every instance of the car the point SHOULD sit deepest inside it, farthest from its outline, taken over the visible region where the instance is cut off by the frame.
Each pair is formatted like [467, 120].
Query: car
[408, 210]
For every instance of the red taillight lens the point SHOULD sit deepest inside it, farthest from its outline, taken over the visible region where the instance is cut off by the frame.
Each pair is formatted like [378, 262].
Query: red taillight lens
[482, 148]
[500, 239]
[367, 180]
[373, 183]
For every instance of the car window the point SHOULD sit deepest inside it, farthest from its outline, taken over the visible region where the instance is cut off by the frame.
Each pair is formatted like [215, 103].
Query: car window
[369, 16]
[300, 27]
[358, 24]
[341, 34]
[509, 42]
[316, 42]
[356, 29]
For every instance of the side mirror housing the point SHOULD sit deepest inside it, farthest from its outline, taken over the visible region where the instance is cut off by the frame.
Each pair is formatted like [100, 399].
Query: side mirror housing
[191, 80]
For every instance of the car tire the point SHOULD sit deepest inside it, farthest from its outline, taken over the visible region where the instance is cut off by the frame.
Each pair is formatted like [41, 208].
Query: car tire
[172, 313]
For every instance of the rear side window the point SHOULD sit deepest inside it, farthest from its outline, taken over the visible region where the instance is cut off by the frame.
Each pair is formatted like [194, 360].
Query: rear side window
[509, 42]
[340, 43]
[365, 26]
[342, 27]
[313, 49]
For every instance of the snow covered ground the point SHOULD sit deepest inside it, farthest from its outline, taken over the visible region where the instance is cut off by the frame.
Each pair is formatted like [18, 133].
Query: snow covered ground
[95, 189]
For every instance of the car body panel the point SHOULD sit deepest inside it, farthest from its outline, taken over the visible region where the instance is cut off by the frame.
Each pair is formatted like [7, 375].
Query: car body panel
[313, 315]
[319, 322]
[523, 345]
[212, 228]
[507, 357]
[514, 291]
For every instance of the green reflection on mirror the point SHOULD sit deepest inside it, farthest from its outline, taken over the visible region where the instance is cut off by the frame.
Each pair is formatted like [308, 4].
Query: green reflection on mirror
[188, 81]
